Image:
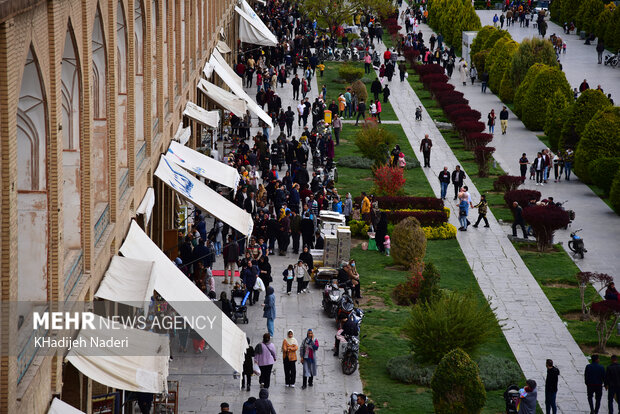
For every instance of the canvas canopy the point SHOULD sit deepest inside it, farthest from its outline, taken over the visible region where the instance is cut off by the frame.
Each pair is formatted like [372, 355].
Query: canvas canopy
[61, 407]
[223, 98]
[252, 29]
[147, 204]
[141, 365]
[223, 47]
[128, 281]
[202, 116]
[183, 134]
[217, 63]
[198, 193]
[187, 300]
[202, 165]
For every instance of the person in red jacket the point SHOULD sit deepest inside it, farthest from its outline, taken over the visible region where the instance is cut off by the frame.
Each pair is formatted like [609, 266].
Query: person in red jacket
[387, 55]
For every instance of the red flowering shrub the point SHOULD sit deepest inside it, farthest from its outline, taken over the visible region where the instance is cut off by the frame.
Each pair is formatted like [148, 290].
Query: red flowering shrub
[432, 68]
[522, 197]
[407, 293]
[467, 127]
[545, 220]
[406, 202]
[432, 78]
[482, 156]
[411, 55]
[451, 98]
[389, 180]
[426, 218]
[455, 108]
[463, 114]
[506, 183]
[606, 314]
[476, 139]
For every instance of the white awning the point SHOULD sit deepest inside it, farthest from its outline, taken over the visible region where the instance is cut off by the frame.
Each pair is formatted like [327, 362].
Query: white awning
[223, 71]
[61, 407]
[198, 193]
[202, 165]
[146, 205]
[139, 364]
[252, 29]
[201, 115]
[183, 134]
[128, 281]
[223, 336]
[223, 47]
[224, 98]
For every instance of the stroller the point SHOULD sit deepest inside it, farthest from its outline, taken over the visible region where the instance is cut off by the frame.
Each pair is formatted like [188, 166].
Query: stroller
[511, 396]
[239, 311]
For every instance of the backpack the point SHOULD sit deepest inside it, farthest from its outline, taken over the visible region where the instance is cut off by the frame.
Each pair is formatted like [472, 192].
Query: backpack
[258, 349]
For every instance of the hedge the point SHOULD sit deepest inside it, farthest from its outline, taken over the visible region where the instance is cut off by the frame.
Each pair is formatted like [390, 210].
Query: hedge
[481, 38]
[504, 49]
[443, 232]
[426, 218]
[505, 183]
[406, 202]
[506, 90]
[469, 114]
[450, 98]
[614, 194]
[468, 127]
[455, 108]
[429, 78]
[530, 51]
[521, 91]
[545, 84]
[437, 87]
[480, 59]
[350, 73]
[557, 109]
[600, 138]
[426, 69]
[603, 171]
[457, 387]
[579, 113]
[494, 37]
[587, 15]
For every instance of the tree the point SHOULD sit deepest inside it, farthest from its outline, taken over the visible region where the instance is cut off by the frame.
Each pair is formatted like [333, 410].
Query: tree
[569, 10]
[614, 194]
[500, 59]
[375, 142]
[429, 286]
[545, 84]
[494, 37]
[530, 51]
[579, 114]
[612, 34]
[545, 220]
[506, 90]
[389, 180]
[600, 138]
[587, 15]
[457, 387]
[408, 242]
[521, 91]
[521, 196]
[603, 171]
[479, 60]
[603, 20]
[480, 39]
[588, 278]
[483, 156]
[555, 118]
[606, 313]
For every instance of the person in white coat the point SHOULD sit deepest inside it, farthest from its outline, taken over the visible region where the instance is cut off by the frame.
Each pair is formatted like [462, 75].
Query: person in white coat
[463, 71]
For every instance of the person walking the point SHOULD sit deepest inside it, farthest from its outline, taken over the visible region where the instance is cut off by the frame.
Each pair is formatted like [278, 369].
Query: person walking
[463, 211]
[425, 148]
[248, 366]
[308, 356]
[361, 111]
[367, 63]
[482, 211]
[539, 166]
[376, 88]
[594, 376]
[600, 48]
[347, 209]
[296, 83]
[473, 73]
[529, 395]
[288, 275]
[289, 358]
[444, 181]
[551, 387]
[612, 383]
[269, 309]
[231, 256]
[337, 126]
[484, 81]
[523, 162]
[491, 121]
[463, 71]
[569, 156]
[519, 221]
[301, 274]
[402, 71]
[503, 119]
[457, 179]
[265, 356]
[263, 405]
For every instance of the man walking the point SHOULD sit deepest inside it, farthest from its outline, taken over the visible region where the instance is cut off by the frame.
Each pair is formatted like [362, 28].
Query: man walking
[231, 256]
[518, 213]
[503, 119]
[484, 79]
[482, 211]
[444, 180]
[457, 179]
[612, 383]
[361, 111]
[337, 126]
[594, 376]
[290, 118]
[600, 48]
[296, 82]
[551, 387]
[425, 147]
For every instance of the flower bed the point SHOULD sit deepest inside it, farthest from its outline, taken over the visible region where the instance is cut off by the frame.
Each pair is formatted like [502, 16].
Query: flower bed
[404, 202]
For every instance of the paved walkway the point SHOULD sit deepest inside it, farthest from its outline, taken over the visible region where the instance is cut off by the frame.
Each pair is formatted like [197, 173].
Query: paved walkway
[533, 329]
[601, 226]
[579, 61]
[206, 380]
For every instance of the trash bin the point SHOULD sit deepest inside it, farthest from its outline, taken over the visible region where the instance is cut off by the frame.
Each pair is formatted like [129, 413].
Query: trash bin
[328, 116]
[582, 35]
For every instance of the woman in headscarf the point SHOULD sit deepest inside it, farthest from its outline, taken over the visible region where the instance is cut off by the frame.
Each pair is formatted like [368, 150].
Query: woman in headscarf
[265, 356]
[248, 366]
[307, 353]
[269, 309]
[289, 357]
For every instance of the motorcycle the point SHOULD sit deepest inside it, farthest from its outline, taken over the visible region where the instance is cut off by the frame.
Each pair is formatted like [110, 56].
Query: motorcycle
[350, 347]
[331, 298]
[612, 60]
[576, 244]
[345, 305]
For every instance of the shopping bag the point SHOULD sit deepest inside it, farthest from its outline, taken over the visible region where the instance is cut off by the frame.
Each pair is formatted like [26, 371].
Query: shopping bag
[256, 368]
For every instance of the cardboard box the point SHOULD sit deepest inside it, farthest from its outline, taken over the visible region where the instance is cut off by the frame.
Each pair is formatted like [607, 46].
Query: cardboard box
[330, 252]
[344, 243]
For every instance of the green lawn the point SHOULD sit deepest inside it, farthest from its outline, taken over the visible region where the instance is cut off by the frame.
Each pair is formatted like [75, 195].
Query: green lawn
[335, 86]
[383, 327]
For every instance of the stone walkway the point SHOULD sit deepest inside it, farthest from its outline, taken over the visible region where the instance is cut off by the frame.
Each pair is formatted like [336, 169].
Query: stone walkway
[206, 380]
[533, 329]
[601, 226]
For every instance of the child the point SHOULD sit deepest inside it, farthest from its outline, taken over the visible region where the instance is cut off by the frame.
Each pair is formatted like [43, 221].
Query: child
[482, 211]
[373, 110]
[321, 68]
[418, 113]
[386, 245]
[532, 171]
[564, 47]
[401, 161]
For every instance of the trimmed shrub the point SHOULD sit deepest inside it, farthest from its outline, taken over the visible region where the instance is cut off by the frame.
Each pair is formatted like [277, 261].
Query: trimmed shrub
[450, 98]
[614, 193]
[359, 229]
[545, 84]
[455, 320]
[405, 369]
[494, 37]
[443, 232]
[432, 78]
[429, 285]
[411, 55]
[480, 60]
[481, 38]
[530, 51]
[408, 242]
[426, 218]
[503, 50]
[477, 139]
[506, 90]
[600, 138]
[468, 127]
[465, 114]
[436, 87]
[360, 90]
[521, 91]
[483, 156]
[587, 15]
[375, 142]
[522, 197]
[498, 373]
[406, 293]
[545, 220]
[350, 73]
[455, 108]
[407, 202]
[389, 180]
[427, 69]
[457, 387]
[505, 183]
[612, 34]
[602, 22]
[603, 171]
[556, 116]
[579, 113]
